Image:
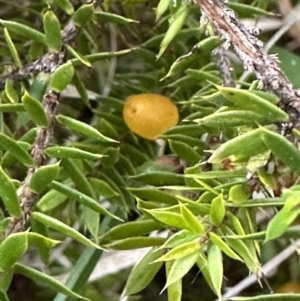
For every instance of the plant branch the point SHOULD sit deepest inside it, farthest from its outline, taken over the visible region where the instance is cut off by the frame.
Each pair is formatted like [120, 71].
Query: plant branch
[48, 63]
[251, 52]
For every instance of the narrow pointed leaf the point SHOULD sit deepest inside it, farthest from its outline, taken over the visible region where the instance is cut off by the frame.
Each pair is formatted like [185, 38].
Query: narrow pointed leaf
[182, 250]
[106, 17]
[131, 229]
[71, 152]
[282, 148]
[8, 195]
[11, 249]
[191, 220]
[83, 14]
[35, 109]
[223, 246]
[217, 210]
[240, 147]
[24, 30]
[249, 101]
[65, 5]
[5, 281]
[176, 24]
[270, 297]
[132, 243]
[83, 128]
[52, 31]
[63, 228]
[181, 267]
[285, 217]
[163, 5]
[174, 290]
[82, 198]
[43, 177]
[46, 280]
[12, 49]
[143, 273]
[50, 200]
[215, 267]
[62, 77]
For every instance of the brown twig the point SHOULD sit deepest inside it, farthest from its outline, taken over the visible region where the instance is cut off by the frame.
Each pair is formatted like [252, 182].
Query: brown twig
[48, 63]
[251, 52]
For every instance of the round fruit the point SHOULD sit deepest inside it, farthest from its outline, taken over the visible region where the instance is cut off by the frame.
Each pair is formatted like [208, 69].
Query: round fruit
[149, 115]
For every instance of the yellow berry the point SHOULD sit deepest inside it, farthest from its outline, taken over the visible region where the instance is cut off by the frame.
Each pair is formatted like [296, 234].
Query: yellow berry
[149, 115]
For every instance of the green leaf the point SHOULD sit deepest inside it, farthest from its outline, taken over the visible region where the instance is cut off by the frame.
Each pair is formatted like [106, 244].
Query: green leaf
[35, 109]
[162, 6]
[65, 5]
[91, 221]
[143, 273]
[179, 238]
[242, 250]
[43, 245]
[63, 228]
[176, 24]
[203, 76]
[197, 55]
[83, 15]
[52, 31]
[249, 101]
[174, 290]
[153, 195]
[248, 10]
[83, 128]
[223, 246]
[78, 56]
[132, 243]
[202, 263]
[282, 148]
[191, 220]
[8, 107]
[50, 200]
[105, 17]
[285, 217]
[81, 271]
[25, 31]
[11, 249]
[37, 240]
[8, 195]
[5, 280]
[240, 147]
[46, 280]
[82, 198]
[182, 250]
[131, 229]
[95, 57]
[230, 118]
[181, 267]
[235, 223]
[102, 188]
[215, 267]
[62, 77]
[78, 177]
[239, 193]
[217, 210]
[10, 91]
[269, 297]
[71, 152]
[43, 176]
[39, 86]
[12, 49]
[185, 151]
[170, 218]
[159, 178]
